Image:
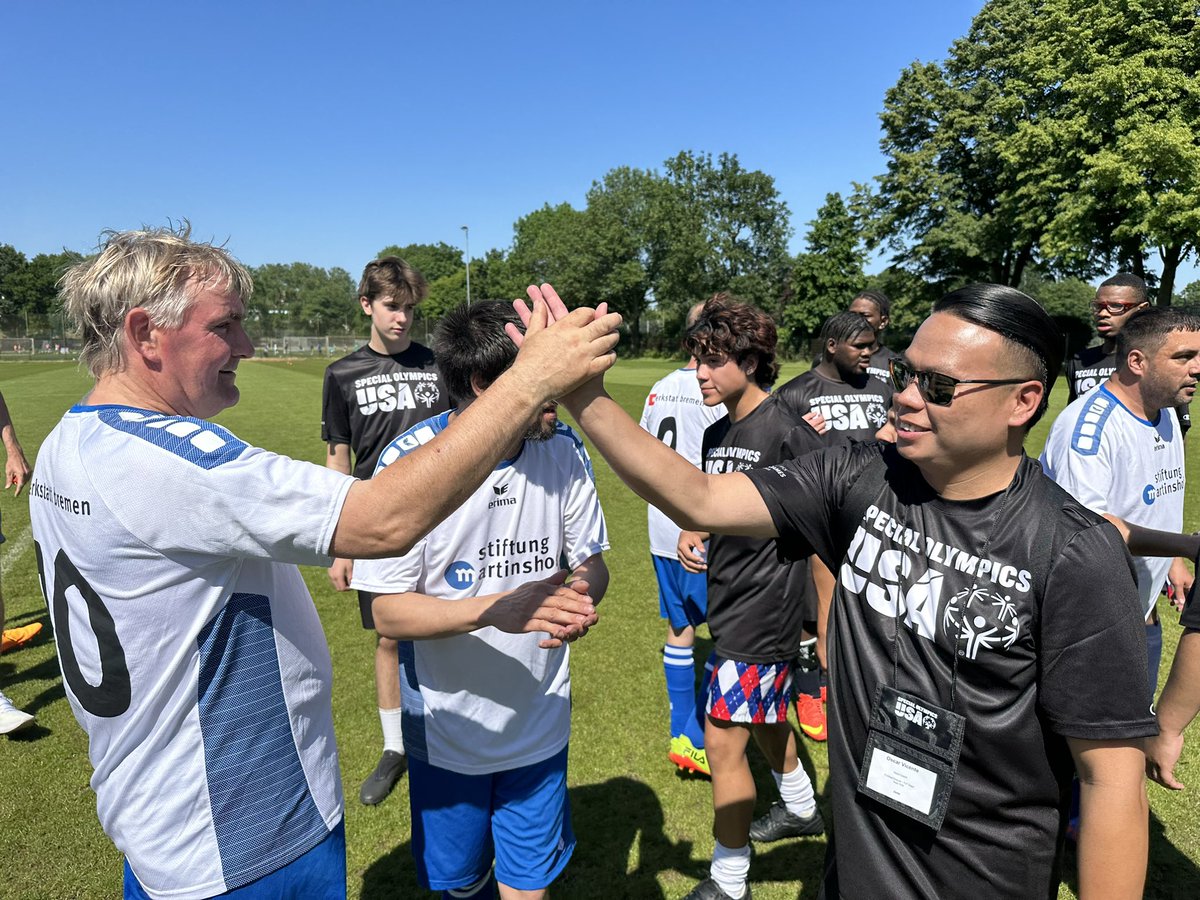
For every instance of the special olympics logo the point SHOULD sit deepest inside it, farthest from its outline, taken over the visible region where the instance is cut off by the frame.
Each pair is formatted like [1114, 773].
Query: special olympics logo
[983, 619]
[876, 414]
[427, 392]
[460, 575]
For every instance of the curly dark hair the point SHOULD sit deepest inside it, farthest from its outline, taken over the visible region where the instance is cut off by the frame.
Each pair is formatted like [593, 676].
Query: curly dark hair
[736, 329]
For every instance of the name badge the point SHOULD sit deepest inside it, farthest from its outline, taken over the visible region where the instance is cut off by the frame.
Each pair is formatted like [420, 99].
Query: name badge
[912, 754]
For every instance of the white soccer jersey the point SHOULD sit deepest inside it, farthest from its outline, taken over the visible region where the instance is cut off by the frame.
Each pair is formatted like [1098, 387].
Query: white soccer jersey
[1113, 462]
[675, 414]
[190, 649]
[489, 701]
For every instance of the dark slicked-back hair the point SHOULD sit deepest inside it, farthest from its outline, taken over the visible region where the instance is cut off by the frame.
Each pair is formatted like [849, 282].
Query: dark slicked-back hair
[470, 342]
[1147, 330]
[881, 300]
[1128, 280]
[738, 330]
[1021, 321]
[843, 326]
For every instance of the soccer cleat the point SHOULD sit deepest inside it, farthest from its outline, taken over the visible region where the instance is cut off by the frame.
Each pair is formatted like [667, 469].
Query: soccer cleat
[685, 755]
[18, 637]
[810, 711]
[11, 718]
[779, 823]
[710, 890]
[380, 782]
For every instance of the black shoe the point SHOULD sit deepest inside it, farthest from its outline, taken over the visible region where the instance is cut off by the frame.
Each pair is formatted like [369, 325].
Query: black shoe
[380, 782]
[778, 824]
[710, 890]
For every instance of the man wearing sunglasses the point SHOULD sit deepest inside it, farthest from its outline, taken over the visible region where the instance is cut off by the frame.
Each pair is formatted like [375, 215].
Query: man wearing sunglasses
[982, 627]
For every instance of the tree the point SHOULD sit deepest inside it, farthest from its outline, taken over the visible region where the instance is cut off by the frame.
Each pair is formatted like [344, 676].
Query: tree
[552, 244]
[433, 261]
[732, 228]
[624, 241]
[302, 297]
[1058, 133]
[829, 273]
[12, 261]
[34, 288]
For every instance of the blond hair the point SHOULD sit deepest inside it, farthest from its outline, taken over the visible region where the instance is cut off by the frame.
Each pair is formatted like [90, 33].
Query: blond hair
[158, 269]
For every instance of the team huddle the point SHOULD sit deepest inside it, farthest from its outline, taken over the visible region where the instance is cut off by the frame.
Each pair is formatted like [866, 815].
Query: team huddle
[868, 544]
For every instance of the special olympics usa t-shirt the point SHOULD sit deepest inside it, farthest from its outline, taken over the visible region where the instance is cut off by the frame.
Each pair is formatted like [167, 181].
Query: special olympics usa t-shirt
[489, 701]
[1043, 654]
[852, 411]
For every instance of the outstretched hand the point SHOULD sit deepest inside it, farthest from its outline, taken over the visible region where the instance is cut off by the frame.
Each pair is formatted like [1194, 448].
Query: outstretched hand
[561, 349]
[564, 612]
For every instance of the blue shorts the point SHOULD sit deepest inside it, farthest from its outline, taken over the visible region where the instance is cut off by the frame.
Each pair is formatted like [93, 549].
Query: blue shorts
[519, 817]
[319, 874]
[682, 595]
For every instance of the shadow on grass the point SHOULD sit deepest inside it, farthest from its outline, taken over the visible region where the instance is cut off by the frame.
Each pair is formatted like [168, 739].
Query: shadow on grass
[1171, 875]
[612, 820]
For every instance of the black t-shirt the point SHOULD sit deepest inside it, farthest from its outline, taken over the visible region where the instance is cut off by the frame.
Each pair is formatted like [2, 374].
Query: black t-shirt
[878, 367]
[854, 411]
[370, 398]
[1049, 631]
[1090, 367]
[754, 596]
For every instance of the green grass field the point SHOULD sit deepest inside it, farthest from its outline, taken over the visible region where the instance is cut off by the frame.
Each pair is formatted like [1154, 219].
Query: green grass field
[644, 830]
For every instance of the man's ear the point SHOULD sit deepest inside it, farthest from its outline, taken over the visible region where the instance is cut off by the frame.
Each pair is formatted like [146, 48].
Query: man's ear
[477, 385]
[1026, 401]
[1137, 363]
[141, 337]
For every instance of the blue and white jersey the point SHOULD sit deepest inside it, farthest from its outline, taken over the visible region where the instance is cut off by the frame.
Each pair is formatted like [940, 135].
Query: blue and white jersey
[675, 414]
[190, 649]
[489, 701]
[1113, 462]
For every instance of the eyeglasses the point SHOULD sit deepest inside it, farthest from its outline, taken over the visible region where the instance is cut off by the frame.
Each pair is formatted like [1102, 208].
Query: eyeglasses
[935, 387]
[1114, 307]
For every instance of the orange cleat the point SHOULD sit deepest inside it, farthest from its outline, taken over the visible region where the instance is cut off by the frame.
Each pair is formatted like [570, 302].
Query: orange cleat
[810, 711]
[19, 637]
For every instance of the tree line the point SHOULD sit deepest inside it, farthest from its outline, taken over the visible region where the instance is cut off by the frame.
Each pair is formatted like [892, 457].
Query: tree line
[1058, 141]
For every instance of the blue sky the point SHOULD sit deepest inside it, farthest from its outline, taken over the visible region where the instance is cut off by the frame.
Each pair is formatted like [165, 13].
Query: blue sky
[322, 132]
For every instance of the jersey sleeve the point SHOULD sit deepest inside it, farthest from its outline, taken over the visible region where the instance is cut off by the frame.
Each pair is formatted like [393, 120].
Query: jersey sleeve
[234, 500]
[1083, 467]
[804, 497]
[335, 414]
[1092, 636]
[396, 575]
[585, 531]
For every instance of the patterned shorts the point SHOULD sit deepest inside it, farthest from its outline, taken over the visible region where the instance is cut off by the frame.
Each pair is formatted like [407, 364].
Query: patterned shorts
[750, 692]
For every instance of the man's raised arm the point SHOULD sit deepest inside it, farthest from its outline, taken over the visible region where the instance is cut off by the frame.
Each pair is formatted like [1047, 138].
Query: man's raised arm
[388, 514]
[727, 504]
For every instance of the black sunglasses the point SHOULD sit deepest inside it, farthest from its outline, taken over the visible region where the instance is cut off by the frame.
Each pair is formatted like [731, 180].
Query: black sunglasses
[935, 387]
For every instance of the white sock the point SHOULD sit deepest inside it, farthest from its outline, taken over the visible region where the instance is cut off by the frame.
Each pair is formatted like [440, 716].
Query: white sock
[796, 792]
[393, 737]
[730, 868]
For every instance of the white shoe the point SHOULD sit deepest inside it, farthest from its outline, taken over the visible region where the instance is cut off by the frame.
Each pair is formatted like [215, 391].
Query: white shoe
[11, 718]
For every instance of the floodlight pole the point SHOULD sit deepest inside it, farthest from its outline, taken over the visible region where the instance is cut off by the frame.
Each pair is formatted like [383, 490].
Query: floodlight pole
[467, 238]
